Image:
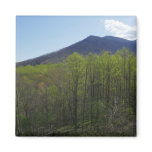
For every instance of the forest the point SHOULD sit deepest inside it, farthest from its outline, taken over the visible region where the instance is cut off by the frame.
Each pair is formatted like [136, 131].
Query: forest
[93, 95]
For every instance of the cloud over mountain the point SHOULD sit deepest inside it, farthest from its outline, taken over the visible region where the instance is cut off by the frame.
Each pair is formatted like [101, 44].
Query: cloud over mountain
[119, 29]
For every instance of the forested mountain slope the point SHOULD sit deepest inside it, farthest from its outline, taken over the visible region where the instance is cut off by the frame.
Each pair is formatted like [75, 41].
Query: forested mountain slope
[93, 95]
[91, 44]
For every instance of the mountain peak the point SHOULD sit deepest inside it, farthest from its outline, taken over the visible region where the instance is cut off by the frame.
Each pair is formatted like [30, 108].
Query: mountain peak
[92, 37]
[93, 44]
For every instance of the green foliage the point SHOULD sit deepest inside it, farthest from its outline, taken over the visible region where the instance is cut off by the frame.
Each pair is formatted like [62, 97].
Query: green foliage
[92, 95]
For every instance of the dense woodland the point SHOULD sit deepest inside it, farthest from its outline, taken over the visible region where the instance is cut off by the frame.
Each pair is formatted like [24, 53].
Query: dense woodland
[93, 95]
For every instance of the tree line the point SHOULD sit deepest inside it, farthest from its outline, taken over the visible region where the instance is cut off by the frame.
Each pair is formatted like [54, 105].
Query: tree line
[93, 95]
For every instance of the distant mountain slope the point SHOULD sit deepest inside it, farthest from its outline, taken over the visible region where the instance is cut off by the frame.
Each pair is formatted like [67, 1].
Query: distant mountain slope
[92, 44]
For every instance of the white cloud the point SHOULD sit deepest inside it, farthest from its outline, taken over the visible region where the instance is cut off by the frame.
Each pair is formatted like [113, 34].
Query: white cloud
[119, 29]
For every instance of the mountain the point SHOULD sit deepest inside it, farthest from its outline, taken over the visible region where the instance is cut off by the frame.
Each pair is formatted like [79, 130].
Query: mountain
[92, 44]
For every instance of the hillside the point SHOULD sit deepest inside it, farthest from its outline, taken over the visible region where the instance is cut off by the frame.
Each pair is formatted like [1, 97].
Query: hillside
[91, 44]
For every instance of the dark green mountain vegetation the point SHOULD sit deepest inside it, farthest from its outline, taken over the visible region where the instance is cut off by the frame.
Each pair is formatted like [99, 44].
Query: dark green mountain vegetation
[93, 95]
[93, 44]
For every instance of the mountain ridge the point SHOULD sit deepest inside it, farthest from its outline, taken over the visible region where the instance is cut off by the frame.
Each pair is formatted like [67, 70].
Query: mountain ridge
[93, 44]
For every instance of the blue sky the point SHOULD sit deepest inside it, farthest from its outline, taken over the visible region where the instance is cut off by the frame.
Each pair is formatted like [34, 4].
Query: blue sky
[38, 35]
